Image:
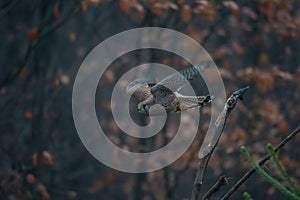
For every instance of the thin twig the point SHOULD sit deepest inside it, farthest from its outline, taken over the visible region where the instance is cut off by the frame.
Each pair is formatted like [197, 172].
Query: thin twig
[32, 45]
[222, 181]
[260, 163]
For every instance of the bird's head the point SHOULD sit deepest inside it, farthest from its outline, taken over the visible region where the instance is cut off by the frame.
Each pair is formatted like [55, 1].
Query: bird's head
[139, 84]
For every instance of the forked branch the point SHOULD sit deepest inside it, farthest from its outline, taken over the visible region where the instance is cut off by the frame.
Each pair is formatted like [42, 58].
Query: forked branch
[211, 140]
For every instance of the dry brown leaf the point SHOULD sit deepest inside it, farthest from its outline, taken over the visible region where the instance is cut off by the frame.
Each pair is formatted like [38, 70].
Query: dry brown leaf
[248, 12]
[202, 2]
[30, 178]
[263, 58]
[238, 135]
[186, 13]
[225, 73]
[65, 80]
[56, 11]
[105, 106]
[232, 6]
[96, 186]
[100, 182]
[94, 3]
[247, 74]
[112, 126]
[171, 5]
[206, 10]
[84, 6]
[265, 81]
[271, 191]
[140, 10]
[218, 54]
[196, 35]
[269, 109]
[47, 158]
[238, 48]
[109, 76]
[282, 127]
[157, 8]
[34, 159]
[124, 6]
[286, 162]
[284, 75]
[72, 36]
[32, 34]
[28, 115]
[71, 194]
[44, 193]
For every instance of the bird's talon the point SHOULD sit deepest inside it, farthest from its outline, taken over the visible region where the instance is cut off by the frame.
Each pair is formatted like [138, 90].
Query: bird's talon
[140, 107]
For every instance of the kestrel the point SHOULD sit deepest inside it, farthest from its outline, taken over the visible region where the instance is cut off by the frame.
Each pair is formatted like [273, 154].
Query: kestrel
[166, 92]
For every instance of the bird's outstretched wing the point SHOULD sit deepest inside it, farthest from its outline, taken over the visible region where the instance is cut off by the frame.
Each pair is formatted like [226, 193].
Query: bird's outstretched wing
[140, 88]
[187, 102]
[177, 80]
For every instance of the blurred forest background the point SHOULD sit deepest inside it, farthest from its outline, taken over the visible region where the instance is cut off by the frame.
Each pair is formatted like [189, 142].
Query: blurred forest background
[43, 43]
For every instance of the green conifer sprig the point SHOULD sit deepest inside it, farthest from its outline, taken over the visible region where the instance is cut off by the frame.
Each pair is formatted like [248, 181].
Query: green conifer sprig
[269, 178]
[283, 173]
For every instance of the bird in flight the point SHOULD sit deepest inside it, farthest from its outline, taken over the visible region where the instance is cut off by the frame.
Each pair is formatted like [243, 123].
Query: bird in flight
[166, 92]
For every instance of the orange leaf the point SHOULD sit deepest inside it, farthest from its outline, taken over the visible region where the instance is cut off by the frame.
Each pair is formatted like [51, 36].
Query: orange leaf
[30, 178]
[225, 73]
[65, 80]
[84, 6]
[218, 54]
[263, 58]
[284, 75]
[186, 13]
[124, 6]
[72, 36]
[32, 34]
[171, 5]
[282, 126]
[205, 9]
[34, 159]
[238, 135]
[157, 8]
[264, 81]
[232, 6]
[56, 11]
[238, 48]
[47, 158]
[44, 193]
[94, 3]
[28, 115]
[71, 194]
[140, 10]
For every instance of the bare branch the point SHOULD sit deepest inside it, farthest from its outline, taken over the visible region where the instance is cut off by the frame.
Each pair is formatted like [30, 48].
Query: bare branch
[211, 140]
[260, 163]
[216, 187]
